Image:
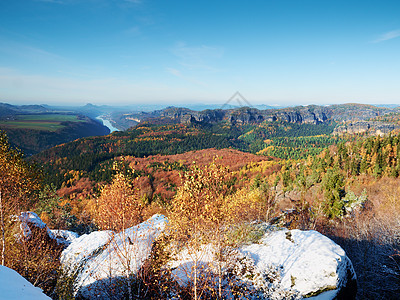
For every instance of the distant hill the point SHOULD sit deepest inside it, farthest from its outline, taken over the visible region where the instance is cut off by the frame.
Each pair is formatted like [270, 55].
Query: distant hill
[34, 128]
[7, 110]
[33, 137]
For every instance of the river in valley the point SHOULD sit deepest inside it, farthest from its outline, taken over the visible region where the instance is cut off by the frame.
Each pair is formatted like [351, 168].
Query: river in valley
[107, 123]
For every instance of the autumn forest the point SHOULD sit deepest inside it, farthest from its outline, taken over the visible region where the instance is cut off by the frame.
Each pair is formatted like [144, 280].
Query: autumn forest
[216, 181]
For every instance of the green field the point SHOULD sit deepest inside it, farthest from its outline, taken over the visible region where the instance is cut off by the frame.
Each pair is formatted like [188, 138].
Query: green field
[44, 122]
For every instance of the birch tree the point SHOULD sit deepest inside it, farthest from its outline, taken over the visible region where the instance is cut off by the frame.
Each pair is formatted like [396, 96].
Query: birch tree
[119, 208]
[198, 218]
[19, 183]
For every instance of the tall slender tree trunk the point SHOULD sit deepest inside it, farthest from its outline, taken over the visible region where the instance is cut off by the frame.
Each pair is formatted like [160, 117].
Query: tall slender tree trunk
[3, 235]
[128, 277]
[219, 259]
[195, 262]
[127, 257]
[195, 280]
[219, 280]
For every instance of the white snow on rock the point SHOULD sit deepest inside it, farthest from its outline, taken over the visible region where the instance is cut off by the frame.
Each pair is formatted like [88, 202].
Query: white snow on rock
[105, 255]
[64, 236]
[308, 262]
[284, 264]
[182, 265]
[15, 287]
[27, 219]
[83, 247]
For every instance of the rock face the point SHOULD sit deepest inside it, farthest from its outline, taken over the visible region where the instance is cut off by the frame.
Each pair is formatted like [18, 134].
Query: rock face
[311, 114]
[373, 128]
[246, 115]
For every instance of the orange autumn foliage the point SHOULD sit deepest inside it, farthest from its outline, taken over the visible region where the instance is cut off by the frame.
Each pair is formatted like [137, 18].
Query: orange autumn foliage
[119, 205]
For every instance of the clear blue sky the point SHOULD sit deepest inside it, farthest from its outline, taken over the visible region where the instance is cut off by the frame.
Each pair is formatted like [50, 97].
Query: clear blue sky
[168, 51]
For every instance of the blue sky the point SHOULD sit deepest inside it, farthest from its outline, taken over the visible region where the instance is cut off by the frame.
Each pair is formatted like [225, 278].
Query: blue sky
[175, 52]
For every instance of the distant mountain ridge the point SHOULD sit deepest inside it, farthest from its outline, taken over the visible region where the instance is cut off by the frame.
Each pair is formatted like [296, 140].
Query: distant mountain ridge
[8, 109]
[293, 132]
[312, 114]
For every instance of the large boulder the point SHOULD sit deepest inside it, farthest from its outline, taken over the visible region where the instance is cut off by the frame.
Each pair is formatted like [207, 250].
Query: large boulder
[31, 227]
[105, 259]
[30, 221]
[284, 264]
[306, 263]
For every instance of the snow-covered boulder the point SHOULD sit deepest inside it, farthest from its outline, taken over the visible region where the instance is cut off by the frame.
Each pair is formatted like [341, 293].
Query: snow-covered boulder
[104, 257]
[29, 220]
[32, 226]
[305, 262]
[284, 264]
[15, 287]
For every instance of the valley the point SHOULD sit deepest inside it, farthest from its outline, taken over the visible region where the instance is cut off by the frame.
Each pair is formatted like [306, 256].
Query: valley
[199, 150]
[330, 169]
[35, 128]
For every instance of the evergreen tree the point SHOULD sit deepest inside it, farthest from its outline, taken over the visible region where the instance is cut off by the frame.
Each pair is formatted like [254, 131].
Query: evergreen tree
[333, 187]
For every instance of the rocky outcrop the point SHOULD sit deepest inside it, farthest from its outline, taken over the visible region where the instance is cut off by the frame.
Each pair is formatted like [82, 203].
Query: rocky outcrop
[32, 227]
[311, 114]
[246, 115]
[184, 115]
[301, 115]
[283, 264]
[372, 128]
[306, 263]
[104, 258]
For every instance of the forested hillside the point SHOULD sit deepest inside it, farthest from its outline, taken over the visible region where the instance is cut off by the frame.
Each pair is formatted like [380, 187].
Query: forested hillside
[92, 154]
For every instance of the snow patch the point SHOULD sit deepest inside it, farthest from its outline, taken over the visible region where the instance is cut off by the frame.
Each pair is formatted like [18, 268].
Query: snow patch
[15, 287]
[284, 264]
[26, 218]
[105, 255]
[308, 261]
[184, 262]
